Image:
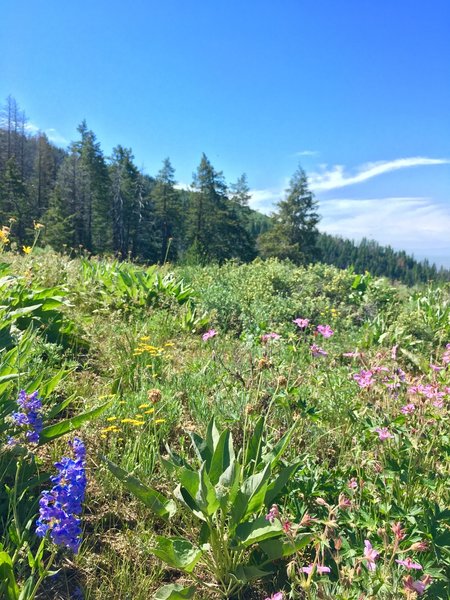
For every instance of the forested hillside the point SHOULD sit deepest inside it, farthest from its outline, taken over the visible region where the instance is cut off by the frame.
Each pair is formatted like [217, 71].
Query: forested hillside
[95, 204]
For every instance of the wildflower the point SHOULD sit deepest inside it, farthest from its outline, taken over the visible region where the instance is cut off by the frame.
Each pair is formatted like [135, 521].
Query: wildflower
[325, 330]
[302, 323]
[273, 513]
[320, 569]
[370, 555]
[209, 334]
[398, 531]
[353, 484]
[317, 351]
[344, 502]
[287, 526]
[154, 395]
[270, 336]
[409, 564]
[408, 409]
[306, 520]
[383, 433]
[27, 249]
[352, 354]
[364, 378]
[59, 508]
[394, 352]
[38, 226]
[421, 546]
[30, 415]
[111, 419]
[417, 586]
[436, 367]
[160, 420]
[277, 596]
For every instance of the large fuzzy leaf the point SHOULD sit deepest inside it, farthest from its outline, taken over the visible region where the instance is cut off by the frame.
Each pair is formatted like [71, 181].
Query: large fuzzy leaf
[175, 591]
[177, 553]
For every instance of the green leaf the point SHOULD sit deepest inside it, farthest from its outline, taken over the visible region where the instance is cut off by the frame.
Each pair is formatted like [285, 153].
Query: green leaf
[160, 505]
[54, 431]
[212, 435]
[276, 486]
[222, 457]
[7, 577]
[206, 496]
[177, 552]
[255, 444]
[228, 485]
[248, 573]
[175, 591]
[280, 548]
[201, 448]
[250, 498]
[257, 530]
[275, 454]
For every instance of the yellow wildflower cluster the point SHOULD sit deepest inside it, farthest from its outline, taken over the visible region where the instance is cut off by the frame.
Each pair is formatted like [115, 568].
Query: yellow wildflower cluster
[4, 235]
[144, 348]
[27, 249]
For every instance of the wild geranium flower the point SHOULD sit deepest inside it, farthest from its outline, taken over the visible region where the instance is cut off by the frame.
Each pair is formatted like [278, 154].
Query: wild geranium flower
[318, 351]
[209, 334]
[344, 502]
[325, 330]
[383, 433]
[352, 354]
[370, 555]
[302, 323]
[277, 596]
[446, 355]
[320, 569]
[394, 352]
[270, 336]
[364, 378]
[29, 417]
[61, 507]
[273, 513]
[398, 531]
[436, 367]
[353, 484]
[408, 563]
[417, 586]
[408, 409]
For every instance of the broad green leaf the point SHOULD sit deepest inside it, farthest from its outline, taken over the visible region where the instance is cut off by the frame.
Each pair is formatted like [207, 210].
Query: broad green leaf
[212, 435]
[160, 505]
[250, 498]
[185, 498]
[228, 485]
[255, 445]
[177, 552]
[248, 573]
[7, 577]
[274, 455]
[222, 457]
[257, 530]
[175, 591]
[276, 486]
[201, 448]
[281, 548]
[206, 496]
[54, 431]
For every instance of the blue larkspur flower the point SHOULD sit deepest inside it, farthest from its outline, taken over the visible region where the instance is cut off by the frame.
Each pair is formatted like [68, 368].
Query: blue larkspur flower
[29, 417]
[60, 508]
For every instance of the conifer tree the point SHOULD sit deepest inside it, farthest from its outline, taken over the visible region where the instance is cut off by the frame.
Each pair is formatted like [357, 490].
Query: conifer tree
[168, 211]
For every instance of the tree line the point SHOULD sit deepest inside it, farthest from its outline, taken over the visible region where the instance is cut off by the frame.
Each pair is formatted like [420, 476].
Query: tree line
[107, 205]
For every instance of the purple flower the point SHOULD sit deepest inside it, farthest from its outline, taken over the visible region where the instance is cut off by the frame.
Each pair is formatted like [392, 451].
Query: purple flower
[408, 409]
[394, 352]
[29, 417]
[352, 354]
[383, 433]
[325, 330]
[364, 378]
[417, 586]
[273, 513]
[319, 568]
[270, 336]
[209, 334]
[409, 564]
[302, 323]
[317, 350]
[277, 596]
[60, 507]
[436, 367]
[370, 555]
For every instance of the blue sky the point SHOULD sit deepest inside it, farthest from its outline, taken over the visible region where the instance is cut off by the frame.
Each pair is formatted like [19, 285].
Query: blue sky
[356, 91]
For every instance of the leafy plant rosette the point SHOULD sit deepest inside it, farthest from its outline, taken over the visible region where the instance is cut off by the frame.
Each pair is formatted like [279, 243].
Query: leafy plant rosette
[228, 494]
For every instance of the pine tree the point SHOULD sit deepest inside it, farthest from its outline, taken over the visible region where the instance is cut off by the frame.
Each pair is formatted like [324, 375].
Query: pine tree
[294, 235]
[168, 211]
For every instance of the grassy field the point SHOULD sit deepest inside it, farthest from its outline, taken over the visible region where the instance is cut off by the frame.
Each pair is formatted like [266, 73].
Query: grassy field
[264, 431]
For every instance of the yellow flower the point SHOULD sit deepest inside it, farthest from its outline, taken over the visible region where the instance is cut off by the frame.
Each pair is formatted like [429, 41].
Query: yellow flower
[27, 249]
[149, 411]
[111, 418]
[169, 344]
[143, 406]
[138, 423]
[160, 420]
[144, 338]
[121, 401]
[103, 435]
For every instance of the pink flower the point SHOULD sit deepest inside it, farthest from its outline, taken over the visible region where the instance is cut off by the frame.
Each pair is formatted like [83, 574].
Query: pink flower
[302, 323]
[353, 484]
[287, 526]
[273, 513]
[364, 378]
[446, 355]
[394, 352]
[344, 502]
[421, 546]
[409, 564]
[370, 555]
[436, 367]
[319, 568]
[383, 433]
[277, 596]
[408, 409]
[417, 586]
[352, 354]
[209, 334]
[398, 531]
[318, 351]
[325, 330]
[270, 336]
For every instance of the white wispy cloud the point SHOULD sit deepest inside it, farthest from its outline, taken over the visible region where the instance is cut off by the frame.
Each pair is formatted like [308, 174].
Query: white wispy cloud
[337, 176]
[52, 134]
[418, 225]
[306, 153]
